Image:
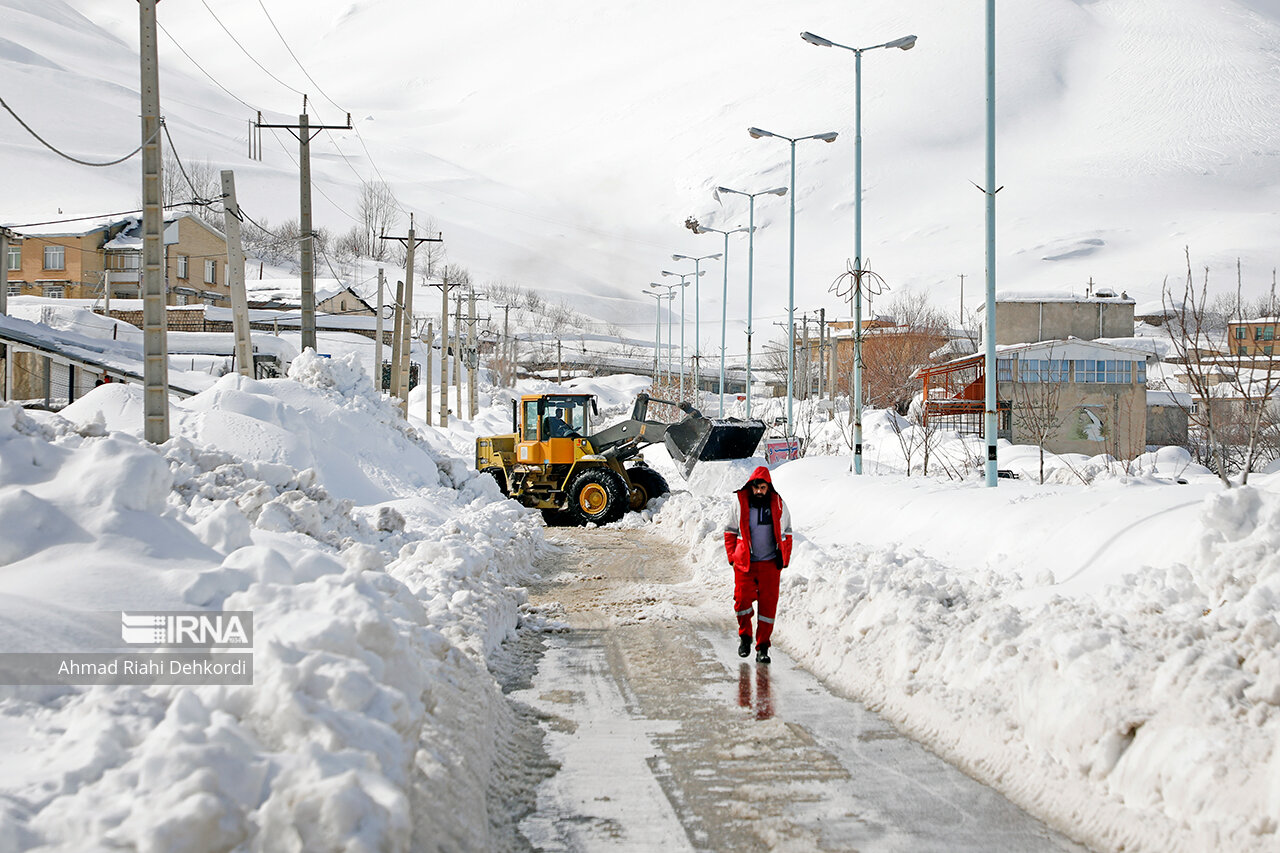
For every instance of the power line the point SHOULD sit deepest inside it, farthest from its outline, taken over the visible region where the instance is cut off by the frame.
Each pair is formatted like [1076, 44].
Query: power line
[213, 79]
[246, 52]
[46, 144]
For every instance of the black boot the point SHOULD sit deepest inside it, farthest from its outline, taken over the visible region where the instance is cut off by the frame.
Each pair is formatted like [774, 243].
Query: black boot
[744, 645]
[762, 653]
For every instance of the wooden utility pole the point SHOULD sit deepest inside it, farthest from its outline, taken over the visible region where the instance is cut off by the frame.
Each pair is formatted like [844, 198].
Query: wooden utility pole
[235, 275]
[397, 329]
[155, 349]
[304, 132]
[377, 336]
[410, 243]
[426, 380]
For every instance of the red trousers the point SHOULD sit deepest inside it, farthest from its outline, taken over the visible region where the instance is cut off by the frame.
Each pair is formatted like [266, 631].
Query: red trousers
[758, 584]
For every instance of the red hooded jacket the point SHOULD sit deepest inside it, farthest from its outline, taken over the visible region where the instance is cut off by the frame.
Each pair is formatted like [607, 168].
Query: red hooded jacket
[737, 529]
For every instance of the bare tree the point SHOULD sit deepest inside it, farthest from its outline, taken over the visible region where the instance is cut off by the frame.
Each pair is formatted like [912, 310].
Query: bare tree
[196, 184]
[379, 213]
[1038, 389]
[892, 354]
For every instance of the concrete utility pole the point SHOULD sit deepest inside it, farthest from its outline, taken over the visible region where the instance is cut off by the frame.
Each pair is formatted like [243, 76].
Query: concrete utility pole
[235, 275]
[427, 380]
[457, 356]
[444, 353]
[808, 373]
[410, 243]
[504, 351]
[473, 356]
[377, 338]
[304, 132]
[559, 364]
[4, 308]
[822, 352]
[155, 348]
[397, 330]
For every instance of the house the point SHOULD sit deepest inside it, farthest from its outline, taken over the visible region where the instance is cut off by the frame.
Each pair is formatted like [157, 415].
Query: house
[1069, 396]
[891, 354]
[1253, 337]
[62, 264]
[343, 300]
[1028, 318]
[106, 260]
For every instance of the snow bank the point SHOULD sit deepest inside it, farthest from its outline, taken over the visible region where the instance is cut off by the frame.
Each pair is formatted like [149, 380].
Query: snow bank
[380, 574]
[1106, 655]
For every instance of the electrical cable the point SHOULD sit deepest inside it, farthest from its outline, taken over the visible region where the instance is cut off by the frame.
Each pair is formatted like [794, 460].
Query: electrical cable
[42, 141]
[246, 52]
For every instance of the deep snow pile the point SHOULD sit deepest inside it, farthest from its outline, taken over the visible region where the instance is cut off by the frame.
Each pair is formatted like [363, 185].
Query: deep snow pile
[380, 574]
[1106, 654]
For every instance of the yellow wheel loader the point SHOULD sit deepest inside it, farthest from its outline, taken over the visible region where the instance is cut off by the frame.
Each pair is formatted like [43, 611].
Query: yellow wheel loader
[555, 461]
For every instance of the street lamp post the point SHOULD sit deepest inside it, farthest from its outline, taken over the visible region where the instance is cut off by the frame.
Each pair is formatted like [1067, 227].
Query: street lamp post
[684, 285]
[724, 297]
[657, 330]
[669, 296]
[751, 265]
[697, 315]
[904, 43]
[756, 133]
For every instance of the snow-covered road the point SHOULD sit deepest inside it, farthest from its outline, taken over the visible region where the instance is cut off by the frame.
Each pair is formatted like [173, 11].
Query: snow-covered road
[665, 739]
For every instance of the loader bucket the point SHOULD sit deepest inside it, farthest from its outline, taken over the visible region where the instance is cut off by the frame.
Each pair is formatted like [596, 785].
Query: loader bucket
[698, 439]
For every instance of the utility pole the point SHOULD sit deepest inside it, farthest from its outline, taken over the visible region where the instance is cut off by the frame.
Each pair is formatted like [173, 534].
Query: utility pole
[962, 299]
[397, 330]
[155, 348]
[808, 373]
[559, 364]
[410, 243]
[427, 379]
[507, 355]
[377, 337]
[4, 308]
[444, 352]
[235, 275]
[304, 132]
[473, 356]
[458, 362]
[822, 352]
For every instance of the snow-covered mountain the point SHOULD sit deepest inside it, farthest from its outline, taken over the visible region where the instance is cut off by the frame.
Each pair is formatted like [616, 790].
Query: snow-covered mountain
[561, 146]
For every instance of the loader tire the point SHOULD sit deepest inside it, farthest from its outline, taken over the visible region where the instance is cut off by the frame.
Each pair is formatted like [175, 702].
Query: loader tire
[597, 496]
[648, 484]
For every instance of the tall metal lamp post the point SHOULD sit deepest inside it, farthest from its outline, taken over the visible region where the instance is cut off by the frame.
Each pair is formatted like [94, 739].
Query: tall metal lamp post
[697, 314]
[724, 297]
[757, 133]
[904, 43]
[657, 330]
[684, 284]
[669, 296]
[751, 264]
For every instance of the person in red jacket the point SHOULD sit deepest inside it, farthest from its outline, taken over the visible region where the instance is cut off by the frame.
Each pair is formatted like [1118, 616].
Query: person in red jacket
[757, 538]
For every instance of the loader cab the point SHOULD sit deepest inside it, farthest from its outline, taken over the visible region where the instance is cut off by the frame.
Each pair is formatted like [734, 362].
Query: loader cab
[551, 426]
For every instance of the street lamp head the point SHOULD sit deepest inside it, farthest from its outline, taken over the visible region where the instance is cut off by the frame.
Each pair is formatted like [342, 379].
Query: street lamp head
[904, 43]
[776, 191]
[756, 132]
[818, 40]
[827, 137]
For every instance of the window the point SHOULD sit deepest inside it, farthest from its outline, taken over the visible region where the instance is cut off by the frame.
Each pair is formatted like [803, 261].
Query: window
[182, 267]
[1084, 370]
[531, 420]
[55, 258]
[15, 257]
[1257, 333]
[1242, 350]
[210, 272]
[15, 289]
[53, 291]
[1004, 370]
[1240, 333]
[1266, 350]
[1141, 367]
[1269, 333]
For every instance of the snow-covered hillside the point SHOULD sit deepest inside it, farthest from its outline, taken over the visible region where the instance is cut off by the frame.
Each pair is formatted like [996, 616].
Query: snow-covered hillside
[562, 148]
